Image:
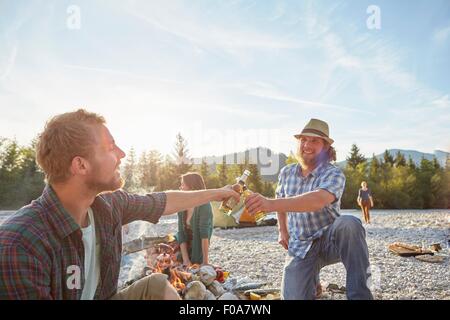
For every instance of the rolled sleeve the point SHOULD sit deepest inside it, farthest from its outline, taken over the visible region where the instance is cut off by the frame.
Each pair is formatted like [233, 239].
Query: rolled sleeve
[134, 207]
[333, 182]
[280, 190]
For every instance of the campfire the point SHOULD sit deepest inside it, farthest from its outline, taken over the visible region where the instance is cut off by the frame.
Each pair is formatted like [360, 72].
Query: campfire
[194, 282]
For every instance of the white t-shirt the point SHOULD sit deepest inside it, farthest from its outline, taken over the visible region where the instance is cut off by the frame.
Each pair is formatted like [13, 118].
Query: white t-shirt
[91, 259]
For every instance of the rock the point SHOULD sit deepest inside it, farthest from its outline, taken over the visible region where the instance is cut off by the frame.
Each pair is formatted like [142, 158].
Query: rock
[436, 247]
[216, 288]
[195, 290]
[432, 259]
[209, 296]
[228, 296]
[207, 275]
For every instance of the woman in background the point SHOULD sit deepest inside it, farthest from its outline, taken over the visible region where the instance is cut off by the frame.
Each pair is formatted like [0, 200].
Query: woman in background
[195, 225]
[365, 201]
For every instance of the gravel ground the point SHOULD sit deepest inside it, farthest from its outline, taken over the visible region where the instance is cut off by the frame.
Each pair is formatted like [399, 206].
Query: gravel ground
[255, 253]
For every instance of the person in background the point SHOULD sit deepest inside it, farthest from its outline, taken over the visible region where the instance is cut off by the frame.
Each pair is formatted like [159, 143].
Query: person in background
[195, 225]
[365, 201]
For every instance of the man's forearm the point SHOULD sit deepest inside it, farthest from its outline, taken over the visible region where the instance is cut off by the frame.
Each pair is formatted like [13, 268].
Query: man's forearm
[311, 201]
[182, 200]
[282, 221]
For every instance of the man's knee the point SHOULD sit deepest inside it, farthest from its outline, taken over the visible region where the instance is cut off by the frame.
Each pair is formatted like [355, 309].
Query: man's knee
[349, 225]
[159, 288]
[152, 287]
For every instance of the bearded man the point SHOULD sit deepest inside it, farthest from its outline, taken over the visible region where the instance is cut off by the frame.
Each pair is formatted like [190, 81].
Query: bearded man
[307, 203]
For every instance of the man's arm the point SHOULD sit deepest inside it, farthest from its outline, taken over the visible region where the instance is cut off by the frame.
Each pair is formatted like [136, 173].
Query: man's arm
[307, 202]
[22, 275]
[283, 233]
[330, 189]
[181, 200]
[150, 207]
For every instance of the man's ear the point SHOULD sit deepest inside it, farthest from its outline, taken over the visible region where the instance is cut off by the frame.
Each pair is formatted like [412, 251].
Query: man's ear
[79, 166]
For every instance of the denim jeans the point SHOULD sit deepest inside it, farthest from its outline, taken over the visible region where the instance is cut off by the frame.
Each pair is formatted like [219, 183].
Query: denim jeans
[344, 241]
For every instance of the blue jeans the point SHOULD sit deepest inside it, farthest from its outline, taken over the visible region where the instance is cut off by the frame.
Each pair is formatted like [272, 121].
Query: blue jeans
[344, 241]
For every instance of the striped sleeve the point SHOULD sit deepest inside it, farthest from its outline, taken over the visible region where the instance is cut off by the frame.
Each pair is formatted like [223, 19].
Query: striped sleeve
[280, 191]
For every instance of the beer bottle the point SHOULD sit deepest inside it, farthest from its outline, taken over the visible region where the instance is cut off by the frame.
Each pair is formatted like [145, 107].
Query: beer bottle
[260, 215]
[228, 204]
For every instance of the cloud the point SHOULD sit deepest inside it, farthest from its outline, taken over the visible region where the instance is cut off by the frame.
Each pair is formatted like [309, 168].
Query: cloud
[233, 39]
[441, 35]
[10, 62]
[280, 11]
[442, 102]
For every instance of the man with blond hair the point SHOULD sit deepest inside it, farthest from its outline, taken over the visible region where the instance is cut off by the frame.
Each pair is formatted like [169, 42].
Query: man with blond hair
[67, 243]
[315, 234]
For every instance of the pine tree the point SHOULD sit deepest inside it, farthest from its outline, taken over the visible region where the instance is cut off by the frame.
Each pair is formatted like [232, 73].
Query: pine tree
[268, 189]
[411, 164]
[388, 159]
[222, 172]
[149, 169]
[204, 169]
[254, 180]
[130, 172]
[31, 177]
[374, 169]
[436, 164]
[400, 160]
[291, 158]
[169, 179]
[182, 163]
[355, 157]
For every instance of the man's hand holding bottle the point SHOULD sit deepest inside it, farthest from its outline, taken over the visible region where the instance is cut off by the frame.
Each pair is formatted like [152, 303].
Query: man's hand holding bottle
[256, 203]
[226, 192]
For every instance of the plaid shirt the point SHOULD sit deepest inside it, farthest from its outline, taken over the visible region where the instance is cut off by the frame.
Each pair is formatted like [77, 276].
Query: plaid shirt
[41, 245]
[305, 227]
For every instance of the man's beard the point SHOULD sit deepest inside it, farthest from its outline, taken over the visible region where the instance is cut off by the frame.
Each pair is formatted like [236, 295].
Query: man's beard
[314, 161]
[94, 184]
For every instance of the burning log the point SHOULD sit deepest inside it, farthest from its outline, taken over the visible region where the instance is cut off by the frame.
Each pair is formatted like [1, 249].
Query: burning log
[144, 242]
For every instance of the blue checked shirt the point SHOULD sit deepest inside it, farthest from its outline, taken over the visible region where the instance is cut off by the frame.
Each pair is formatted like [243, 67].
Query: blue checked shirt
[305, 227]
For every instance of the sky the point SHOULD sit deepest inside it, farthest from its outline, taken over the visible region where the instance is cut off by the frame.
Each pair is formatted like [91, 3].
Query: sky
[231, 75]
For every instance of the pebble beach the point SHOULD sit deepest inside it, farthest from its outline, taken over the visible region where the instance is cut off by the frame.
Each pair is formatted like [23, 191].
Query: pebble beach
[254, 253]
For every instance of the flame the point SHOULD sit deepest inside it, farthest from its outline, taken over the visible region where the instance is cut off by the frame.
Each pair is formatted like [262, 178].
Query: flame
[176, 281]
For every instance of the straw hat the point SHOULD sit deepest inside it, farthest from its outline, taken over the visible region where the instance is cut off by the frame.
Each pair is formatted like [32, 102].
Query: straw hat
[316, 128]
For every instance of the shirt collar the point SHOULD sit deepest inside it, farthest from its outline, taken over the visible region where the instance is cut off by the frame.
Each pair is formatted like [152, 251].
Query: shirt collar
[63, 223]
[316, 172]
